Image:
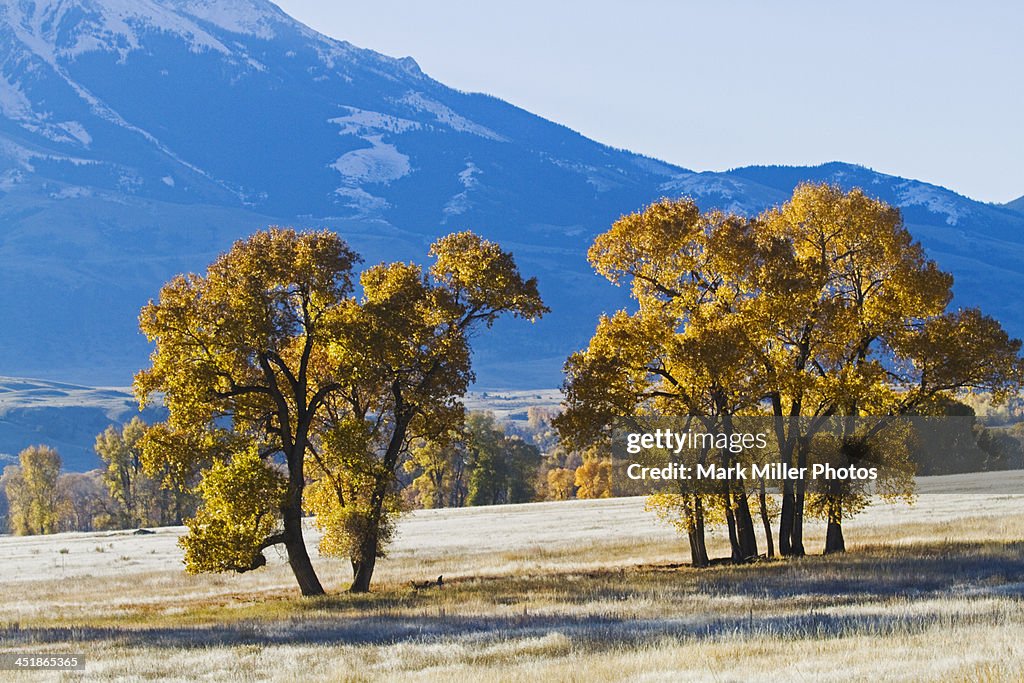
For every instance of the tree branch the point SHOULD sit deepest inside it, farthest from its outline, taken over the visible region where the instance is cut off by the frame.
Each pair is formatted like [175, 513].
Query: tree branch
[282, 405]
[279, 362]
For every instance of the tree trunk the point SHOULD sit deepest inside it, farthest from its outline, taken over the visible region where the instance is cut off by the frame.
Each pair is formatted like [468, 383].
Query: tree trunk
[745, 526]
[786, 519]
[762, 499]
[797, 538]
[786, 441]
[363, 565]
[298, 557]
[366, 560]
[698, 547]
[796, 548]
[698, 551]
[362, 568]
[730, 518]
[834, 542]
[295, 545]
[179, 508]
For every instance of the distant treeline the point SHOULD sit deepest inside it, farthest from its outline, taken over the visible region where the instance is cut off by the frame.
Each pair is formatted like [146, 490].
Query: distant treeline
[39, 498]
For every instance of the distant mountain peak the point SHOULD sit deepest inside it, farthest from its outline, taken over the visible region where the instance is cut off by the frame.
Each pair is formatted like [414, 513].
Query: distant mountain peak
[63, 30]
[66, 29]
[247, 17]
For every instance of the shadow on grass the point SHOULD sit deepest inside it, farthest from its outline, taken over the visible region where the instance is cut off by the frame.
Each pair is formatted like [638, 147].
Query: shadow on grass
[877, 575]
[925, 570]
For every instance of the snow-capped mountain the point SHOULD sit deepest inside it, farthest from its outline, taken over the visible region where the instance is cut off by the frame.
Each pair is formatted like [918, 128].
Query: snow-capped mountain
[139, 138]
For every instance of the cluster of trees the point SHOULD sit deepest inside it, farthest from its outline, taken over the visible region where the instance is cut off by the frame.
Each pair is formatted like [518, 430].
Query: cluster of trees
[144, 492]
[39, 498]
[485, 463]
[481, 465]
[561, 473]
[821, 308]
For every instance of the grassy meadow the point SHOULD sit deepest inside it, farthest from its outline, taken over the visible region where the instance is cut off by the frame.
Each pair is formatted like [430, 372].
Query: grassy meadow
[575, 591]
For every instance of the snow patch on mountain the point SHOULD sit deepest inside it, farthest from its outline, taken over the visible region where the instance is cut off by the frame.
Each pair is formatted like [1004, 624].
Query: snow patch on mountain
[16, 106]
[361, 200]
[71, 192]
[60, 30]
[362, 122]
[932, 198]
[445, 116]
[77, 131]
[468, 175]
[380, 163]
[10, 179]
[16, 155]
[730, 193]
[602, 179]
[24, 158]
[460, 203]
[702, 184]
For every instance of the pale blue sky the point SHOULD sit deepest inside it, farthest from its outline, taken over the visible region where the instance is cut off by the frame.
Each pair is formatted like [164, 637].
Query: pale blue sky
[928, 90]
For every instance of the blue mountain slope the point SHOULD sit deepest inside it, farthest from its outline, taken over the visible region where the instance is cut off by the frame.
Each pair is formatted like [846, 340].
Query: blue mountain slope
[64, 416]
[139, 139]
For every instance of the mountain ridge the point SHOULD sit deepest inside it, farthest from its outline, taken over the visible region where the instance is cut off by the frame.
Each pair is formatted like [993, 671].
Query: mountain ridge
[138, 139]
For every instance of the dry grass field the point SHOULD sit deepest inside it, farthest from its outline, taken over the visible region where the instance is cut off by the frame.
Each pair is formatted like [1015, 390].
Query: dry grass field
[574, 591]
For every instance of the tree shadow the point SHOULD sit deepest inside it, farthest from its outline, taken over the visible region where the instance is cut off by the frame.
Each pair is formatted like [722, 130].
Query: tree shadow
[965, 570]
[879, 571]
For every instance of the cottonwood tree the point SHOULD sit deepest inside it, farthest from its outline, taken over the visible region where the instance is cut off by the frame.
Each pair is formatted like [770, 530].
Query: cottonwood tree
[561, 484]
[235, 361]
[593, 478]
[89, 506]
[274, 370]
[685, 512]
[36, 501]
[684, 352]
[860, 326]
[402, 358]
[123, 476]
